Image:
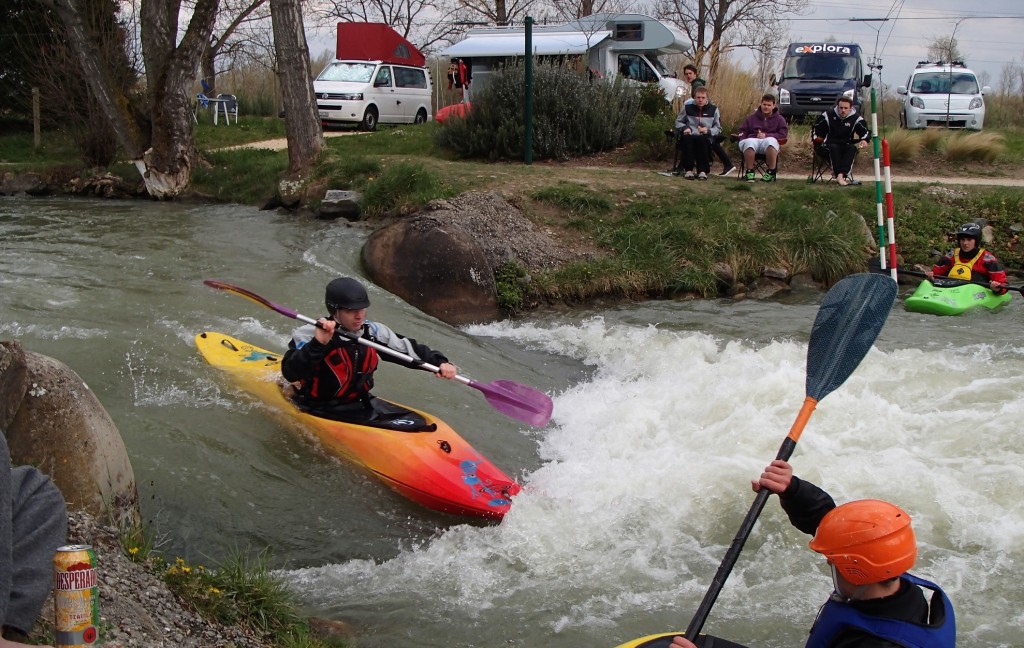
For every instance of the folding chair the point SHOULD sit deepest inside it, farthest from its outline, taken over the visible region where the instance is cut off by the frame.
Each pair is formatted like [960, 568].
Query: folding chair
[760, 159]
[821, 162]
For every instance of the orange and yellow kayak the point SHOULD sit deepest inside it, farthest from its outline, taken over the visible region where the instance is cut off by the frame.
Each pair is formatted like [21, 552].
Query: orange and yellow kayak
[437, 469]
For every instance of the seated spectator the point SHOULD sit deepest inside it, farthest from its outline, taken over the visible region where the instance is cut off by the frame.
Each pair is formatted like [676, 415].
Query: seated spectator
[696, 126]
[759, 134]
[716, 141]
[33, 523]
[837, 134]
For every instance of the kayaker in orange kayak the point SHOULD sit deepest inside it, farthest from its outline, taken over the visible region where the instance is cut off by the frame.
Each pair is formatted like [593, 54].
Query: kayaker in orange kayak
[333, 373]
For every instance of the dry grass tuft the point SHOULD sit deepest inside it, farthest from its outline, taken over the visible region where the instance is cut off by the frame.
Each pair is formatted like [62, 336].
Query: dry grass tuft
[980, 147]
[904, 145]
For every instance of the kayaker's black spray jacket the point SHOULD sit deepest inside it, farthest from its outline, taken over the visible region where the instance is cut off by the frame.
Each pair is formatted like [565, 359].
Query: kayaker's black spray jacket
[341, 371]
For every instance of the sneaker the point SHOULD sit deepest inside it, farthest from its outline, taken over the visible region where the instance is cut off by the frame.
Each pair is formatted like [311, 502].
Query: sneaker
[702, 176]
[769, 176]
[749, 175]
[731, 170]
[689, 175]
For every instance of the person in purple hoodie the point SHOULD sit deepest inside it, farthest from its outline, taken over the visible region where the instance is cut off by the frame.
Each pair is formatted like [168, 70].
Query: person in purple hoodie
[761, 134]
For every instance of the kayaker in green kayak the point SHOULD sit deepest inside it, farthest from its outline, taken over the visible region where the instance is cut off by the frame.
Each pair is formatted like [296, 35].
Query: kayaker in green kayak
[334, 373]
[869, 545]
[971, 262]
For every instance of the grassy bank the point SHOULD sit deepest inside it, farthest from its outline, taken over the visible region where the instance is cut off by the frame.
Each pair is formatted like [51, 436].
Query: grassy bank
[659, 236]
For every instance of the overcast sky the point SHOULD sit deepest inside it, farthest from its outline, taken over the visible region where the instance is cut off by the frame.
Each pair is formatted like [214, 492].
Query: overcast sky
[985, 32]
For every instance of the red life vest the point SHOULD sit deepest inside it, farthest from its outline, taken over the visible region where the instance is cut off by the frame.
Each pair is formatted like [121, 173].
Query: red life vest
[353, 366]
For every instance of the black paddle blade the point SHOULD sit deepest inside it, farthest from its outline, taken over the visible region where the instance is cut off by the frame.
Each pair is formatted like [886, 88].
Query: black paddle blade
[849, 319]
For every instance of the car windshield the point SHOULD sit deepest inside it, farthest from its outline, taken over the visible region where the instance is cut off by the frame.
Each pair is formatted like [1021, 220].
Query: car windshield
[944, 82]
[355, 72]
[819, 66]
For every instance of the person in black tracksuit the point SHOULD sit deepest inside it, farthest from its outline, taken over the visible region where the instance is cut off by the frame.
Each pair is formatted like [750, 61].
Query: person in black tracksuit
[870, 547]
[334, 372]
[837, 134]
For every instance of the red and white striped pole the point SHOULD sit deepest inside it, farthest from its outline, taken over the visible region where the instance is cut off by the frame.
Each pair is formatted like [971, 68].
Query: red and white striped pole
[878, 180]
[889, 211]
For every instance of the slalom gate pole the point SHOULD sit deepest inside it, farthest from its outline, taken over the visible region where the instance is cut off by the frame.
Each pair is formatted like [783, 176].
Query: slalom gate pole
[889, 210]
[878, 180]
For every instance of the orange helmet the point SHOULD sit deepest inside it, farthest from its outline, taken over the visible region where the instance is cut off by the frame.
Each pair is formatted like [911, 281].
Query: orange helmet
[868, 541]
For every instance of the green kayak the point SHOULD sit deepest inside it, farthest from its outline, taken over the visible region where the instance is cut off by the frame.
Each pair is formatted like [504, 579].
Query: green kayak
[952, 297]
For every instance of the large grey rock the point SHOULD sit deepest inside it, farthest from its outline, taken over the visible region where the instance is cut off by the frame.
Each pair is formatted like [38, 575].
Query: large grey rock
[54, 422]
[437, 268]
[341, 204]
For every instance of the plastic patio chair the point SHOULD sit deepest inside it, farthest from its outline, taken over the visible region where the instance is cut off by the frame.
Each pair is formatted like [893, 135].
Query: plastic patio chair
[228, 104]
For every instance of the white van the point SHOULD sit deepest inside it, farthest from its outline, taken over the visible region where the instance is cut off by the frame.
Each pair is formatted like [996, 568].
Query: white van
[372, 92]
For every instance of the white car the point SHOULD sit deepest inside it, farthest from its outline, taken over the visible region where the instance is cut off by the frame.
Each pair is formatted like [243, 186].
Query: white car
[939, 94]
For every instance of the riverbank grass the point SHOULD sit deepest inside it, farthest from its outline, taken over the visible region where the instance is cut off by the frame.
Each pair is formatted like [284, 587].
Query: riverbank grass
[241, 590]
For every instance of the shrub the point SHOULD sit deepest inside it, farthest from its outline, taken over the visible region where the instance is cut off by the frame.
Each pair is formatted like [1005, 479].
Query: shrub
[573, 115]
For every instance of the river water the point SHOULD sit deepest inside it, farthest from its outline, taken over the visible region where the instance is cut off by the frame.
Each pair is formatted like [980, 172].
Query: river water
[663, 412]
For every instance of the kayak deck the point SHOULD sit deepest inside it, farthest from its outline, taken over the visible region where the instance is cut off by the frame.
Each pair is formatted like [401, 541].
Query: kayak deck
[952, 299]
[437, 469]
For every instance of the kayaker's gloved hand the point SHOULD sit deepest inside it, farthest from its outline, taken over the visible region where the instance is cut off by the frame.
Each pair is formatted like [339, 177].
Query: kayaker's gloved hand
[997, 288]
[447, 370]
[929, 274]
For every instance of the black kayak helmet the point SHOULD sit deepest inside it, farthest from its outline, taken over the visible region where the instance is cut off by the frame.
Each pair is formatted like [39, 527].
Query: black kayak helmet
[346, 293]
[969, 230]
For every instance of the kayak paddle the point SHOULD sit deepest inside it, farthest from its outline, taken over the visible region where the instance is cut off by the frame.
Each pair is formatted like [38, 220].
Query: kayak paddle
[958, 282]
[848, 321]
[510, 398]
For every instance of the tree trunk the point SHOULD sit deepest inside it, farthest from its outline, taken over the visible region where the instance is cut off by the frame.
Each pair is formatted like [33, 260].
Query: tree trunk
[302, 122]
[161, 146]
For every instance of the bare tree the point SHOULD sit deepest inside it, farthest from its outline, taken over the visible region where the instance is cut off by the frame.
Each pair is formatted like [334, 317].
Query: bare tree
[160, 141]
[717, 26]
[227, 39]
[501, 12]
[302, 122]
[944, 48]
[415, 20]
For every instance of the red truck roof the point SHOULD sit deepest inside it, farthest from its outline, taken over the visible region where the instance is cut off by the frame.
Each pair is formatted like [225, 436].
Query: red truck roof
[376, 42]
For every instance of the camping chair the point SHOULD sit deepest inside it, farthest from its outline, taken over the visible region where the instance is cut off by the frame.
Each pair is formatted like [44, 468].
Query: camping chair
[760, 159]
[821, 163]
[228, 105]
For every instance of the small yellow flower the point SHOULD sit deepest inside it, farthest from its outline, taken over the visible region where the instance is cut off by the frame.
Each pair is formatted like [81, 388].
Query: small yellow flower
[186, 570]
[214, 590]
[133, 551]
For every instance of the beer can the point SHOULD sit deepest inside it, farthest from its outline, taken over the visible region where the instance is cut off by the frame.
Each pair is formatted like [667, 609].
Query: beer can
[75, 596]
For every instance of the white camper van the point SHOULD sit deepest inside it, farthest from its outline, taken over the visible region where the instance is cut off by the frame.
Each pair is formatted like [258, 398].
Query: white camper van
[378, 78]
[614, 44]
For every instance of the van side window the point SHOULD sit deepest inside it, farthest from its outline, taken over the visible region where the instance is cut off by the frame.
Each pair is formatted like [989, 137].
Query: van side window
[410, 78]
[383, 79]
[629, 32]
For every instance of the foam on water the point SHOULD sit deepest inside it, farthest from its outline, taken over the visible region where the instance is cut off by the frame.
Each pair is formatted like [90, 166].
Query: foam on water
[646, 478]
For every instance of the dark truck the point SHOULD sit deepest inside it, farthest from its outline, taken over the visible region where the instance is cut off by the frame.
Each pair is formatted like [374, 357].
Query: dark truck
[815, 75]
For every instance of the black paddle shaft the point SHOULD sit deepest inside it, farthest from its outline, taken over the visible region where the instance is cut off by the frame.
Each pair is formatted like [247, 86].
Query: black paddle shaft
[848, 322]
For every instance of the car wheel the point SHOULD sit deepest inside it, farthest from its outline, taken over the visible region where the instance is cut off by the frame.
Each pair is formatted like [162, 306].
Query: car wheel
[369, 122]
[421, 117]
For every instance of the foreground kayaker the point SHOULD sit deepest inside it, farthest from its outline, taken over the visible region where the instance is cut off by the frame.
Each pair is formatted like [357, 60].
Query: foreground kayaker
[869, 545]
[971, 262]
[334, 373]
